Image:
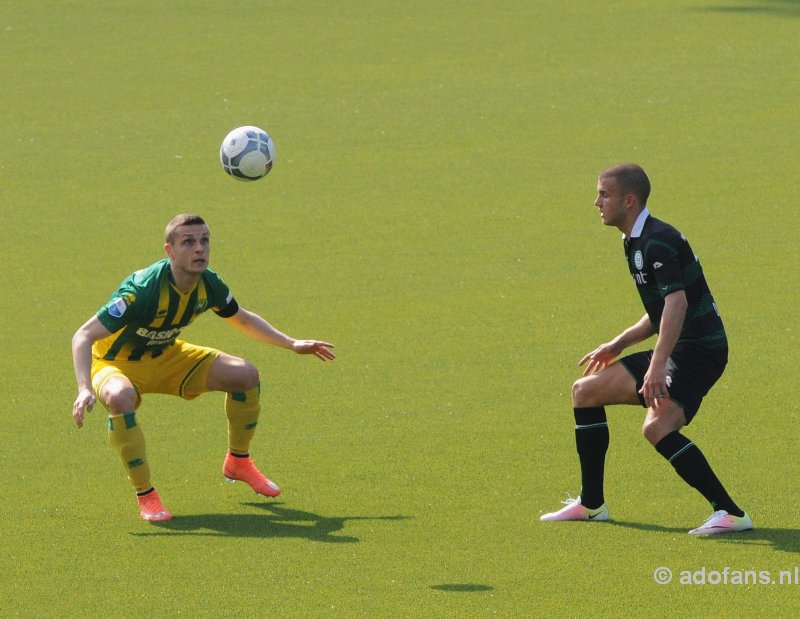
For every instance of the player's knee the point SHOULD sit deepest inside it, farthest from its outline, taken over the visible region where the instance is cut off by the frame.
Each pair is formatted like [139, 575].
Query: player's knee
[650, 429]
[119, 397]
[244, 377]
[250, 376]
[232, 374]
[656, 428]
[657, 425]
[581, 394]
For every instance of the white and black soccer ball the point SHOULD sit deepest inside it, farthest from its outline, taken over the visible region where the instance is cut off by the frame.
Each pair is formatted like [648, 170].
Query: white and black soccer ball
[247, 153]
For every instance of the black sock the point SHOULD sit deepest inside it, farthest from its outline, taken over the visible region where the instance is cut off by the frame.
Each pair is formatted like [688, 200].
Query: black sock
[690, 463]
[591, 440]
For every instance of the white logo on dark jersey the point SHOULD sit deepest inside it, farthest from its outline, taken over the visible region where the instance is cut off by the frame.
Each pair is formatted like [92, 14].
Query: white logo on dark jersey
[638, 260]
[657, 265]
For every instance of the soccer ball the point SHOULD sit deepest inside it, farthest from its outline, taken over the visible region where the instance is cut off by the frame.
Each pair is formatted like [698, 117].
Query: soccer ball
[247, 153]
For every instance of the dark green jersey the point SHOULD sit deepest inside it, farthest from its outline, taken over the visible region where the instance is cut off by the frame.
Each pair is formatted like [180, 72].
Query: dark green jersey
[147, 312]
[661, 262]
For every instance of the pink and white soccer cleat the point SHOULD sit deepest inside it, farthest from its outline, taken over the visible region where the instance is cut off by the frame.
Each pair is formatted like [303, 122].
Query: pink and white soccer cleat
[575, 511]
[723, 522]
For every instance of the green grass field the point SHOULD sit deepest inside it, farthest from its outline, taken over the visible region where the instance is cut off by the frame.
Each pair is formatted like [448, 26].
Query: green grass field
[431, 213]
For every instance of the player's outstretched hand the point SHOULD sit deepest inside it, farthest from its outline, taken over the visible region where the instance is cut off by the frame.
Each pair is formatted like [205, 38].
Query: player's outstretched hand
[322, 350]
[599, 358]
[83, 403]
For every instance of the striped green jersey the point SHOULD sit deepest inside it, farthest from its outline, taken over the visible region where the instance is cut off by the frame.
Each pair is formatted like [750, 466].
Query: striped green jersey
[661, 262]
[147, 312]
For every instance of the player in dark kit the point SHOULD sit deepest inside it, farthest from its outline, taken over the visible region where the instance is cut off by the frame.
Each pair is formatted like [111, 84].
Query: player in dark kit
[670, 381]
[130, 347]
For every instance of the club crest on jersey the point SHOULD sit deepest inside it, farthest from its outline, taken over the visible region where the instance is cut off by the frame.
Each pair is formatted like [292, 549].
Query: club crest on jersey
[201, 306]
[638, 260]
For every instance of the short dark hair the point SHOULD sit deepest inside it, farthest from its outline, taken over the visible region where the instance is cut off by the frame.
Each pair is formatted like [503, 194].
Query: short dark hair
[184, 219]
[631, 178]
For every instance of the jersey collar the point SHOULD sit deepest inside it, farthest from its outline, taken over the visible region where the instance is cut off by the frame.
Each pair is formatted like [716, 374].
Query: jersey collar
[636, 231]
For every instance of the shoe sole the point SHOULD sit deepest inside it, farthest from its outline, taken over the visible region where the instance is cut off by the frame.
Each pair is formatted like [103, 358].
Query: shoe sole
[231, 480]
[720, 531]
[156, 517]
[603, 516]
[574, 519]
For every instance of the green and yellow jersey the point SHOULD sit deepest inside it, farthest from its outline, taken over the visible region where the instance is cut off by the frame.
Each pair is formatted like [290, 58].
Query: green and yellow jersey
[147, 312]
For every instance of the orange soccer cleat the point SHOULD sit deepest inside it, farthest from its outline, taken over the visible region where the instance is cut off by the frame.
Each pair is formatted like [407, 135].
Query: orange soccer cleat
[151, 507]
[243, 469]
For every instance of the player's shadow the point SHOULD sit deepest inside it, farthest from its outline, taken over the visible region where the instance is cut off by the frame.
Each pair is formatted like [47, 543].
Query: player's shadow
[470, 587]
[784, 8]
[786, 540]
[277, 522]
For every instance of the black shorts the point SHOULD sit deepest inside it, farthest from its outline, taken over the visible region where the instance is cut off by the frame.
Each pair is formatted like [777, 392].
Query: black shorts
[691, 372]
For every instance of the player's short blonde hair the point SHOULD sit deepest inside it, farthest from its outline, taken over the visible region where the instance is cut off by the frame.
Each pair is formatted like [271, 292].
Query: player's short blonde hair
[184, 219]
[631, 178]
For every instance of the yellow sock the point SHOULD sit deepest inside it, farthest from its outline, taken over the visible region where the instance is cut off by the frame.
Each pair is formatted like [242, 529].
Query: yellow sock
[127, 438]
[242, 409]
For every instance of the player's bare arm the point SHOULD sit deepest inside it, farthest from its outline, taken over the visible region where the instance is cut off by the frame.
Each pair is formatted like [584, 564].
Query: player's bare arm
[88, 333]
[602, 356]
[254, 326]
[655, 389]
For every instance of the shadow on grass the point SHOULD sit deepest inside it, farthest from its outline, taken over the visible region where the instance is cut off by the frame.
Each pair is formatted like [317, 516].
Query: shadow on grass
[786, 8]
[278, 521]
[641, 526]
[462, 587]
[787, 540]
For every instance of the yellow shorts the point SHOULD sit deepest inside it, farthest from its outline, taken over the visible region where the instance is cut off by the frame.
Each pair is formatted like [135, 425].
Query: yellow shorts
[182, 370]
